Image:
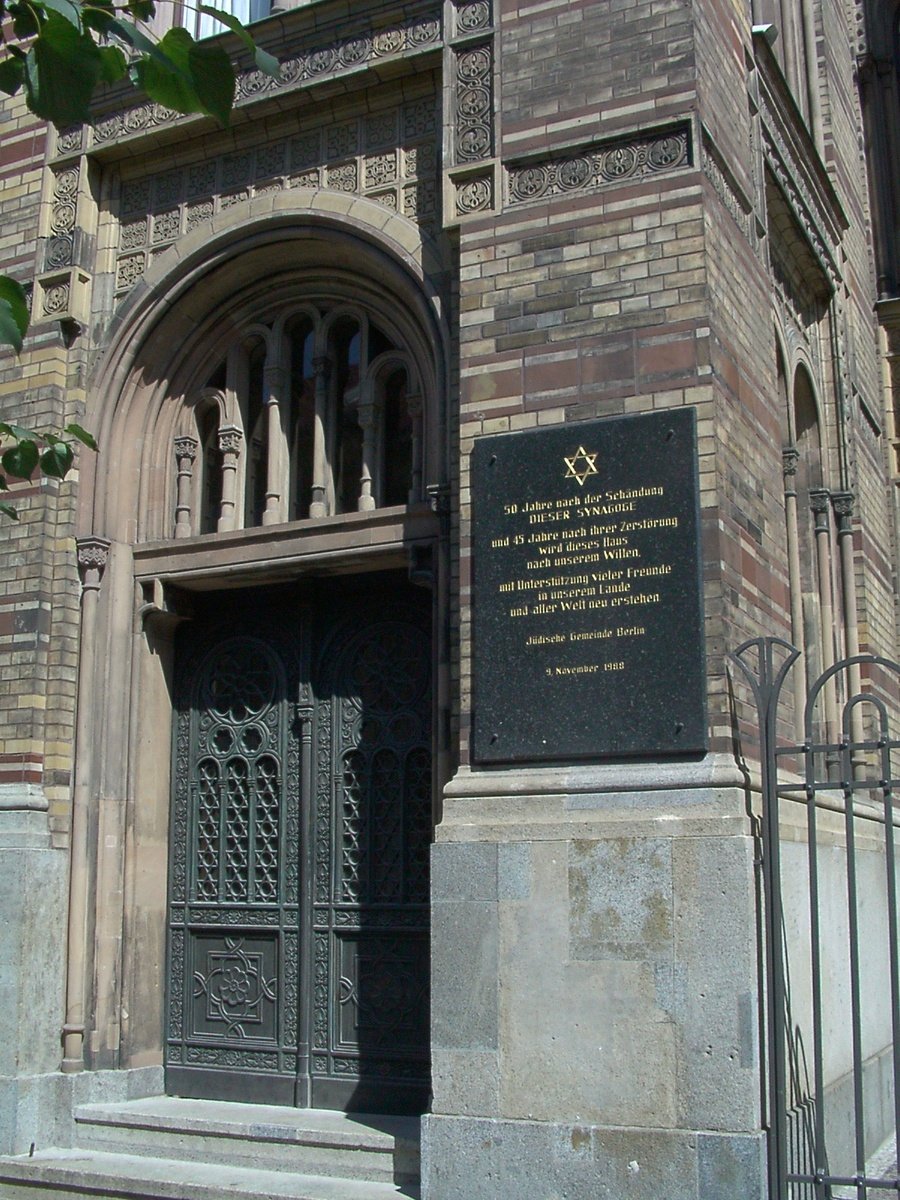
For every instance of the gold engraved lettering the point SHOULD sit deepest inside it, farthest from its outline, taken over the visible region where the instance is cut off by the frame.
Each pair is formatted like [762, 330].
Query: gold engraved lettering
[562, 574]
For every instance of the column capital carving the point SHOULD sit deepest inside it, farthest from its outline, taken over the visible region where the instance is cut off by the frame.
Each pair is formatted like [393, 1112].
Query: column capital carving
[790, 457]
[843, 505]
[92, 554]
[230, 438]
[186, 447]
[820, 504]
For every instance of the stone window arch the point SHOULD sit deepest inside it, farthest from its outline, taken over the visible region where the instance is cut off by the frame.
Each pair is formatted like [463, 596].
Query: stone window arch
[807, 506]
[319, 412]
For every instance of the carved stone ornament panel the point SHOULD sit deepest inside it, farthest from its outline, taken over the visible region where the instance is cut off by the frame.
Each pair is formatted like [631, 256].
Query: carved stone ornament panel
[56, 299]
[60, 245]
[332, 58]
[360, 155]
[595, 167]
[68, 141]
[472, 16]
[736, 204]
[803, 205]
[474, 195]
[474, 103]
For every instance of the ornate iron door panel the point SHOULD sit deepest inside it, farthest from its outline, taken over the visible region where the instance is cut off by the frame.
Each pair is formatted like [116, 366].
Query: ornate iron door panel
[234, 938]
[373, 829]
[298, 956]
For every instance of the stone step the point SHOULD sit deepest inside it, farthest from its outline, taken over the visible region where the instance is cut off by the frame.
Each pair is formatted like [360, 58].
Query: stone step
[63, 1174]
[306, 1141]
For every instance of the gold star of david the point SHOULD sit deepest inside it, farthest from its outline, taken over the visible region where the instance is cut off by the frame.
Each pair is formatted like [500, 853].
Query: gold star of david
[589, 465]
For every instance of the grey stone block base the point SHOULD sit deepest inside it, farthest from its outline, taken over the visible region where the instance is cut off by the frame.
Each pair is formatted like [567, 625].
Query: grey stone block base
[489, 1159]
[39, 1109]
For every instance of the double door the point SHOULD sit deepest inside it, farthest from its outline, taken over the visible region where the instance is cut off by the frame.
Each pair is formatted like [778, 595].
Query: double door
[301, 821]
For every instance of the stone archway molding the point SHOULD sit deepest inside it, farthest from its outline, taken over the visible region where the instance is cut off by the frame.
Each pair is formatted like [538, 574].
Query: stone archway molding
[231, 260]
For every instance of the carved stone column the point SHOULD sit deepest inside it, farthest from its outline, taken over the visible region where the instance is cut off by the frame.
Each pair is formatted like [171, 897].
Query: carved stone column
[93, 554]
[790, 457]
[819, 502]
[230, 438]
[318, 506]
[842, 503]
[365, 414]
[276, 448]
[185, 456]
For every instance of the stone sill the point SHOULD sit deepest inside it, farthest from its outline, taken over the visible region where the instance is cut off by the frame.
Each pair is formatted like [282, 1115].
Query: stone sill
[352, 541]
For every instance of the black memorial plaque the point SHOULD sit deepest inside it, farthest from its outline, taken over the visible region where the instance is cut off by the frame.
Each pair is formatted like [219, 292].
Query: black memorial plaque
[588, 638]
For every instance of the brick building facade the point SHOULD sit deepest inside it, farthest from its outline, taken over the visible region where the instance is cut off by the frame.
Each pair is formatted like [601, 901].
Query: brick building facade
[446, 220]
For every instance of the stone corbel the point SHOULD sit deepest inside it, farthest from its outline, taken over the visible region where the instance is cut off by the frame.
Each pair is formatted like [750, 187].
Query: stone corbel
[162, 608]
[92, 555]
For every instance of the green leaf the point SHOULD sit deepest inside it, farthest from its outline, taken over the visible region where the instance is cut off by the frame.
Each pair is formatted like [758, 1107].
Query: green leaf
[17, 432]
[113, 64]
[57, 460]
[82, 435]
[12, 75]
[190, 77]
[61, 72]
[13, 313]
[264, 62]
[128, 32]
[213, 76]
[4, 486]
[26, 19]
[8, 511]
[20, 460]
[98, 17]
[67, 9]
[142, 10]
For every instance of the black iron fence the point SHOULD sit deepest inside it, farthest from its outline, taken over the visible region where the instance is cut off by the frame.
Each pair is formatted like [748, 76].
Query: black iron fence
[830, 827]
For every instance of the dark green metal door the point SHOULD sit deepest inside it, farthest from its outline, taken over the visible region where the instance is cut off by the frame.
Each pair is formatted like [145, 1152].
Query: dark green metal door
[298, 916]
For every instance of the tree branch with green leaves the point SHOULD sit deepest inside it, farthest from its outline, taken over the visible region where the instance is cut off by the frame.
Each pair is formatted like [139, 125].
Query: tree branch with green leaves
[58, 53]
[26, 452]
[61, 51]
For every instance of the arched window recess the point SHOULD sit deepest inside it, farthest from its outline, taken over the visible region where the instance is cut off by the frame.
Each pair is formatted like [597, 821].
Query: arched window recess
[318, 414]
[816, 627]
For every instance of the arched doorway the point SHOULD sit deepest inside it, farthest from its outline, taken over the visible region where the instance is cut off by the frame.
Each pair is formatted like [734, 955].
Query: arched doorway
[273, 444]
